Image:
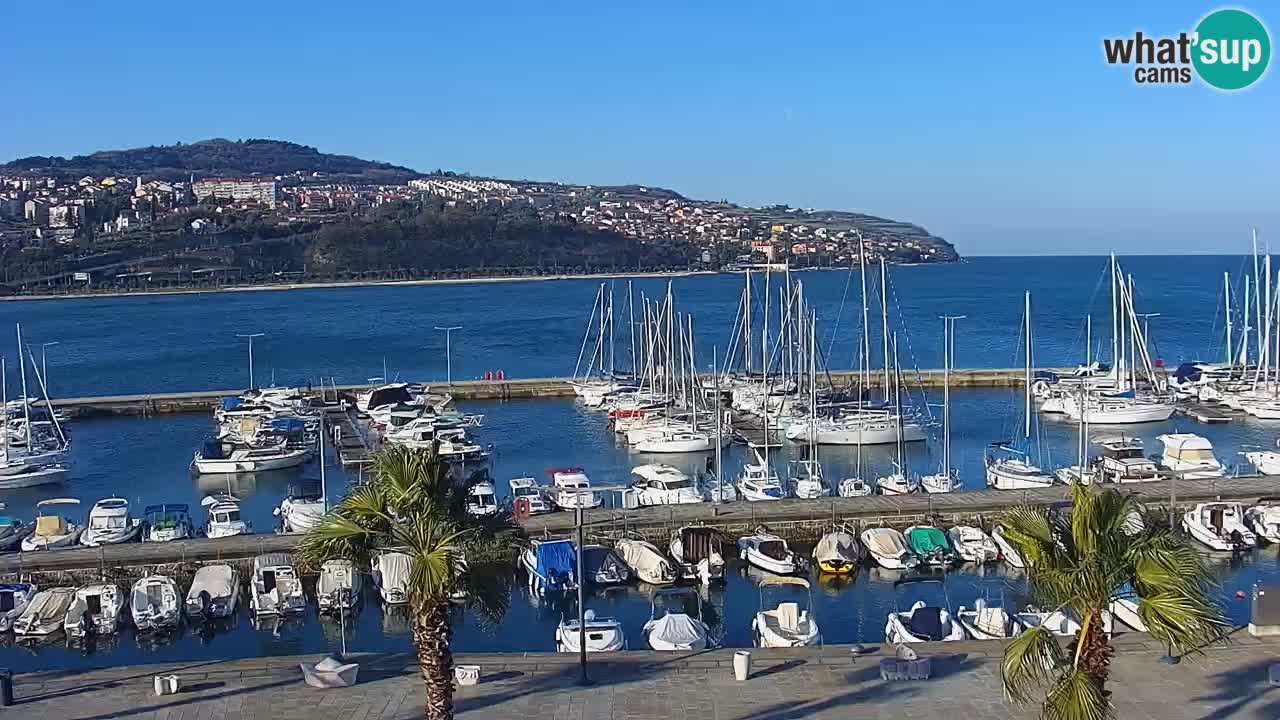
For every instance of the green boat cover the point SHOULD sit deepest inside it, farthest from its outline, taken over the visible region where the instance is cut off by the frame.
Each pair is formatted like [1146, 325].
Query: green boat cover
[928, 540]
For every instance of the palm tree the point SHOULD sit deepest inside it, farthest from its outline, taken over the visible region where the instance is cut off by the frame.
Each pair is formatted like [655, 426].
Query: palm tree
[1106, 547]
[412, 503]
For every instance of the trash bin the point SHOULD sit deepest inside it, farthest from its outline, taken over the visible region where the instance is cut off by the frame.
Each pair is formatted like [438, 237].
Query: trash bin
[6, 688]
[741, 665]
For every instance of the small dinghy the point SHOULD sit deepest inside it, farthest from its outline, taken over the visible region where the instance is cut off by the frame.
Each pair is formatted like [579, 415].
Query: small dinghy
[391, 571]
[45, 613]
[52, 530]
[931, 545]
[1058, 622]
[888, 548]
[1263, 517]
[923, 622]
[838, 552]
[1008, 552]
[787, 624]
[13, 601]
[214, 593]
[602, 566]
[671, 626]
[768, 552]
[647, 562]
[13, 532]
[168, 522]
[601, 634]
[972, 544]
[275, 589]
[95, 611]
[155, 604]
[552, 565]
[696, 550]
[110, 524]
[338, 587]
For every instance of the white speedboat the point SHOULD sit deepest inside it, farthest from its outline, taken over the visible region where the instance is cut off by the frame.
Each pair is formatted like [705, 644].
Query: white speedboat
[224, 517]
[155, 603]
[679, 441]
[896, 483]
[1008, 552]
[654, 484]
[888, 548]
[302, 509]
[391, 571]
[1219, 526]
[647, 562]
[168, 522]
[482, 499]
[571, 489]
[13, 601]
[768, 552]
[940, 483]
[110, 523]
[787, 624]
[552, 565]
[1266, 461]
[217, 457]
[671, 627]
[838, 552]
[52, 530]
[758, 482]
[275, 588]
[986, 622]
[45, 612]
[806, 480]
[973, 544]
[1263, 517]
[696, 550]
[1190, 457]
[922, 622]
[96, 610]
[338, 587]
[855, 487]
[601, 634]
[525, 490]
[214, 593]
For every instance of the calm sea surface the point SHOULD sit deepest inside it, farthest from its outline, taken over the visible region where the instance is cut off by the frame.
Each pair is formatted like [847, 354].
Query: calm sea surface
[126, 345]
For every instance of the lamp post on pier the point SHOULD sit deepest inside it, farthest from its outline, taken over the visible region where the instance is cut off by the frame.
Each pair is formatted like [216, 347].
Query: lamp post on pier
[251, 336]
[448, 350]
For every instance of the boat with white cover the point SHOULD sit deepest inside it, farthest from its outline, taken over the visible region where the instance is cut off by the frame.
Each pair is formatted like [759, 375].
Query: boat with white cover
[391, 571]
[13, 601]
[96, 610]
[973, 544]
[696, 550]
[838, 552]
[1190, 457]
[338, 587]
[989, 622]
[52, 530]
[768, 552]
[1263, 517]
[155, 603]
[671, 627]
[646, 561]
[923, 622]
[1008, 552]
[602, 634]
[214, 593]
[855, 487]
[787, 624]
[275, 588]
[110, 523]
[1219, 526]
[655, 484]
[303, 508]
[45, 613]
[888, 548]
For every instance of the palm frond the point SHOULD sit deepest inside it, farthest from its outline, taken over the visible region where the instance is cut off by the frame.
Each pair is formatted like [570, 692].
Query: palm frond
[1029, 531]
[1030, 660]
[1185, 622]
[1076, 696]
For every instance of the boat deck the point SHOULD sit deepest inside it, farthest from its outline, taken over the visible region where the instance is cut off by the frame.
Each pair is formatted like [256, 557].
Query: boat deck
[1203, 413]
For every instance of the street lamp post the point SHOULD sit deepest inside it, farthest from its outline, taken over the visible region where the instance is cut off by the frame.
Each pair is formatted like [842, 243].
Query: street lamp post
[251, 336]
[448, 350]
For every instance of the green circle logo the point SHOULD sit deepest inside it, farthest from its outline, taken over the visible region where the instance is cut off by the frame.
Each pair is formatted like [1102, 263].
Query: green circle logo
[1232, 49]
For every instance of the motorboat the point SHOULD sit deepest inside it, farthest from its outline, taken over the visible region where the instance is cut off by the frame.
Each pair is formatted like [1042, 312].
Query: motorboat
[696, 550]
[275, 589]
[224, 517]
[716, 490]
[655, 484]
[806, 480]
[855, 487]
[988, 622]
[1009, 469]
[677, 441]
[96, 610]
[1190, 457]
[52, 530]
[13, 601]
[940, 483]
[214, 593]
[647, 562]
[973, 544]
[601, 634]
[110, 524]
[931, 545]
[838, 552]
[551, 565]
[482, 499]
[571, 489]
[217, 457]
[1266, 461]
[1263, 517]
[155, 603]
[23, 476]
[338, 587]
[888, 548]
[456, 446]
[1123, 461]
[45, 612]
[768, 552]
[391, 572]
[13, 531]
[303, 508]
[896, 483]
[525, 490]
[1219, 526]
[1008, 552]
[168, 522]
[601, 565]
[671, 627]
[922, 622]
[787, 624]
[1124, 607]
[1058, 622]
[758, 482]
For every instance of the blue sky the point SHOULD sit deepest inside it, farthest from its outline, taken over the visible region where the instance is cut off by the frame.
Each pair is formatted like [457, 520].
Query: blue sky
[998, 126]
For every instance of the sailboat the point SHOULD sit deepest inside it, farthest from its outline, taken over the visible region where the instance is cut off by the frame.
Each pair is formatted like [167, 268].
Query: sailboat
[1008, 467]
[945, 481]
[897, 482]
[35, 464]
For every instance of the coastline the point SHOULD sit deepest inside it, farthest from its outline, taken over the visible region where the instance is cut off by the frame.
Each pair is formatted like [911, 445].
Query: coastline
[357, 283]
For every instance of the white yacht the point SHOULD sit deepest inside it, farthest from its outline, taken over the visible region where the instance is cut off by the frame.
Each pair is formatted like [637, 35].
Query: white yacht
[96, 610]
[863, 428]
[1219, 526]
[768, 552]
[1123, 461]
[1012, 470]
[110, 523]
[787, 624]
[758, 482]
[1190, 457]
[676, 441]
[806, 481]
[1117, 409]
[214, 593]
[224, 517]
[526, 489]
[662, 485]
[571, 489]
[155, 603]
[302, 509]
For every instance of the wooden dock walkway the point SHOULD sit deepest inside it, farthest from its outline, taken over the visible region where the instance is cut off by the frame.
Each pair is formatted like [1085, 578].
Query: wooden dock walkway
[1208, 414]
[197, 550]
[350, 439]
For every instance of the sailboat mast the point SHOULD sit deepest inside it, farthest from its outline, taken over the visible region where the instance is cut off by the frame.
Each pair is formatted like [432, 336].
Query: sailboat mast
[1088, 341]
[26, 401]
[946, 396]
[1026, 408]
[865, 360]
[1244, 330]
[1226, 298]
[884, 322]
[764, 366]
[897, 409]
[746, 322]
[631, 330]
[612, 366]
[324, 489]
[4, 406]
[1116, 360]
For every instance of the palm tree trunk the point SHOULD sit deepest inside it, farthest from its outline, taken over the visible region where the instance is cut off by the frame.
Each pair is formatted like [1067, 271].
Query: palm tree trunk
[1094, 652]
[431, 636]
